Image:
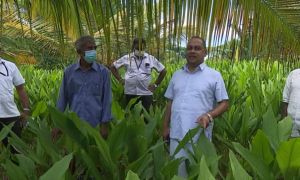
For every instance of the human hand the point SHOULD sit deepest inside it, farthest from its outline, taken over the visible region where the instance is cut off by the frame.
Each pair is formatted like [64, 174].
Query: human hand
[205, 120]
[55, 133]
[122, 81]
[23, 117]
[151, 87]
[166, 133]
[103, 131]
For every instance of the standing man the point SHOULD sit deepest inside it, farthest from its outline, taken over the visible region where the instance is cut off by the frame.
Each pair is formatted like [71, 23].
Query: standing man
[137, 80]
[86, 87]
[11, 77]
[291, 101]
[196, 94]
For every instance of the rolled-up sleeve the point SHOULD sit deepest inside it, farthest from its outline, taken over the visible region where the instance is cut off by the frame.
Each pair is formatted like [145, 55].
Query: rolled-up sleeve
[63, 95]
[106, 99]
[220, 91]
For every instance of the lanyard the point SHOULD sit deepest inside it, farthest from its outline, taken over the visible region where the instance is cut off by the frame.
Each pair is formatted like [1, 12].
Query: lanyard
[138, 66]
[6, 70]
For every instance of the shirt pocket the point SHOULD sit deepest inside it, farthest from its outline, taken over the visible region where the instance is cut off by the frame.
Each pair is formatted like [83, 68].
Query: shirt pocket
[7, 87]
[96, 89]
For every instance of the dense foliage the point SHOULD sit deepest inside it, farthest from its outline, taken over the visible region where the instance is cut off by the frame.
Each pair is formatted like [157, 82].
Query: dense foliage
[249, 141]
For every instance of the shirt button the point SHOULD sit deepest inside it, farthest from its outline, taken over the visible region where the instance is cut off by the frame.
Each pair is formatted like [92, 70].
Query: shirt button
[84, 83]
[83, 93]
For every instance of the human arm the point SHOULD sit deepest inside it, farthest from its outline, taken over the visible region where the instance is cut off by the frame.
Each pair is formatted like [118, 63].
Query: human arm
[219, 110]
[24, 101]
[160, 77]
[286, 97]
[106, 103]
[166, 125]
[116, 74]
[284, 110]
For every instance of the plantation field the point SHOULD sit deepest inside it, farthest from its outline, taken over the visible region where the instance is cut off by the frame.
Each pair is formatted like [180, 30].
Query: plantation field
[249, 141]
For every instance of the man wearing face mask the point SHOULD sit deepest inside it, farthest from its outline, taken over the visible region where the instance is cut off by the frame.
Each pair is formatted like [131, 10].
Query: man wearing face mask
[137, 78]
[86, 87]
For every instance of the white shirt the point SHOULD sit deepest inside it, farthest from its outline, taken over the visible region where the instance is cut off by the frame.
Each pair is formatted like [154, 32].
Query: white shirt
[10, 76]
[193, 95]
[291, 95]
[138, 72]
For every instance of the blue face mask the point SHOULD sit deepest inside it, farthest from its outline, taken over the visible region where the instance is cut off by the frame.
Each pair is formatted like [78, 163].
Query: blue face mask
[90, 56]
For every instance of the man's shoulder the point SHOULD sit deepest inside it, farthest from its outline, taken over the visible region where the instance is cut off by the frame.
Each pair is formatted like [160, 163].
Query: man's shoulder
[211, 70]
[295, 71]
[71, 67]
[9, 63]
[102, 67]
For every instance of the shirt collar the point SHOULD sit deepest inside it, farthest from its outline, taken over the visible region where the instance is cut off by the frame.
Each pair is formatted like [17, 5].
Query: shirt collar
[94, 66]
[133, 56]
[200, 67]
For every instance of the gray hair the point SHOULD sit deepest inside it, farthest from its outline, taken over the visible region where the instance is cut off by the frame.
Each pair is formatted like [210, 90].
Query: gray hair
[80, 42]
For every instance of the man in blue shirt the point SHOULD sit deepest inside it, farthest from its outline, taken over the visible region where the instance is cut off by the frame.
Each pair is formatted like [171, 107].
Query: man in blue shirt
[196, 94]
[86, 87]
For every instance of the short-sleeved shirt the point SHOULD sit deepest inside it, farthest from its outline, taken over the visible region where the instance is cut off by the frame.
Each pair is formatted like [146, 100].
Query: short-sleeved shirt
[194, 94]
[10, 76]
[291, 95]
[87, 93]
[138, 72]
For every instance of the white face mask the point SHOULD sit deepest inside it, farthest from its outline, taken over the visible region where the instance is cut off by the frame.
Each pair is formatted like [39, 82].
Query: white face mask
[139, 53]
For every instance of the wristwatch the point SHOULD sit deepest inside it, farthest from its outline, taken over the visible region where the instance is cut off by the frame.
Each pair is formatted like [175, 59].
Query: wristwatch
[155, 85]
[26, 109]
[210, 118]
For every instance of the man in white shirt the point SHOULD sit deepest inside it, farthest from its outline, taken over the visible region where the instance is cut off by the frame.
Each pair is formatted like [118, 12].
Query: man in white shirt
[291, 101]
[196, 94]
[137, 79]
[11, 77]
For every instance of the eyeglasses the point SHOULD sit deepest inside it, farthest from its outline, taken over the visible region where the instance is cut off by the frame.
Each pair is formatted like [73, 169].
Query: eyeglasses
[6, 70]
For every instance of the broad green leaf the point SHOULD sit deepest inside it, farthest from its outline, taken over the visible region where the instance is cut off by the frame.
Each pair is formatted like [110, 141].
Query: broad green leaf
[256, 162]
[261, 147]
[4, 132]
[272, 133]
[148, 133]
[132, 176]
[237, 170]
[89, 163]
[285, 128]
[189, 135]
[103, 148]
[40, 108]
[170, 169]
[178, 178]
[208, 150]
[67, 126]
[136, 143]
[14, 172]
[204, 171]
[27, 165]
[288, 158]
[116, 140]
[159, 159]
[58, 170]
[141, 164]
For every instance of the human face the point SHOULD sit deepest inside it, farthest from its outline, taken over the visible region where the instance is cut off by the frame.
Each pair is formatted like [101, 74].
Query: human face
[195, 52]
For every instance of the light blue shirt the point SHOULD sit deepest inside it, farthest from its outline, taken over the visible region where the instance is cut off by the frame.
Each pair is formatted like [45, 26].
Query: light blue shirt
[87, 93]
[193, 95]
